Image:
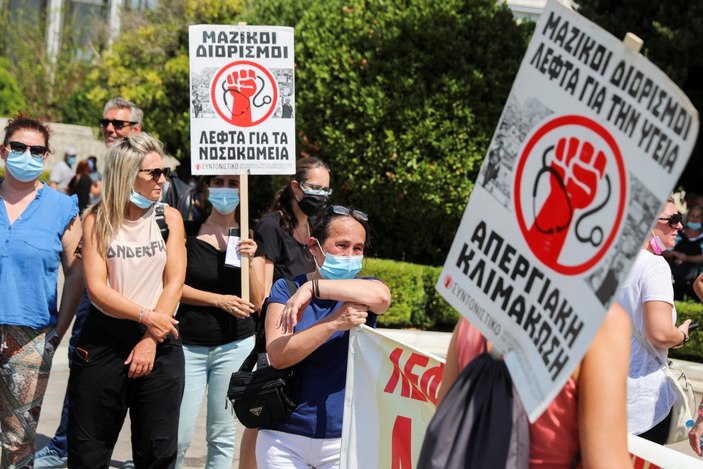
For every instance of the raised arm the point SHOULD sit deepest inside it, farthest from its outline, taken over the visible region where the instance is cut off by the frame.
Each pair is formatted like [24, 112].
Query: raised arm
[260, 280]
[373, 294]
[602, 394]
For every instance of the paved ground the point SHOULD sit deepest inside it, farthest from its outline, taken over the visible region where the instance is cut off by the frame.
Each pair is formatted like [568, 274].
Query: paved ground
[432, 342]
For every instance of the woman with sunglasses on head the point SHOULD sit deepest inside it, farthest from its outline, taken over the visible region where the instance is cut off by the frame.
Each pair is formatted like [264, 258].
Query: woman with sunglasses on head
[39, 228]
[215, 324]
[129, 356]
[648, 297]
[310, 330]
[281, 236]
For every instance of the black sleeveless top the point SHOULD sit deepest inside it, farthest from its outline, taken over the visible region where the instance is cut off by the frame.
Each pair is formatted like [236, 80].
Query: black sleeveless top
[206, 270]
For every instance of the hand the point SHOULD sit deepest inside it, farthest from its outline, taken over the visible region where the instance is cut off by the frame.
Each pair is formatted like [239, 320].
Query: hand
[694, 436]
[294, 308]
[160, 325]
[248, 247]
[684, 326]
[350, 315]
[141, 358]
[235, 306]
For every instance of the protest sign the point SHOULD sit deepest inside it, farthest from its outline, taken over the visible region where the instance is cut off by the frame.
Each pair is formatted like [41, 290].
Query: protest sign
[242, 100]
[591, 141]
[390, 397]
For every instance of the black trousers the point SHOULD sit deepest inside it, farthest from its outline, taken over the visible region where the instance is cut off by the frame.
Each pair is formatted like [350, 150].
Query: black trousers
[100, 394]
[660, 432]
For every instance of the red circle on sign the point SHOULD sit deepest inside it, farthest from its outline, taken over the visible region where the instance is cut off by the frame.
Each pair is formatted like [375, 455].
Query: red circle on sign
[572, 120]
[215, 86]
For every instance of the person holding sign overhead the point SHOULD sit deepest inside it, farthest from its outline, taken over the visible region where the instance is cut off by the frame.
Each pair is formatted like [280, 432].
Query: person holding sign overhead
[586, 421]
[648, 296]
[215, 324]
[310, 331]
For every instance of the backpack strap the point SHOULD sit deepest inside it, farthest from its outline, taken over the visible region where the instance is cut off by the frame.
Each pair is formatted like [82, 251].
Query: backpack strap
[161, 220]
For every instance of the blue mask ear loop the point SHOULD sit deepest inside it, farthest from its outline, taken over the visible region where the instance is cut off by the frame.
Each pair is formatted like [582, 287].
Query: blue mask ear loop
[315, 258]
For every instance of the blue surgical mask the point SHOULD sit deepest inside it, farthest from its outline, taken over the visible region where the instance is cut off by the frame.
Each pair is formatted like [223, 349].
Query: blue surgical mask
[223, 199]
[139, 200]
[70, 160]
[339, 267]
[24, 166]
[694, 226]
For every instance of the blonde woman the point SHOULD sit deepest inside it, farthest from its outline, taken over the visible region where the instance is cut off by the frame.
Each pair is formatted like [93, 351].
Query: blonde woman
[129, 356]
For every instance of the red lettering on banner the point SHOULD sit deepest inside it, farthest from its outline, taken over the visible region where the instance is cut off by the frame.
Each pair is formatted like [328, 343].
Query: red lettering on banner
[401, 446]
[414, 385]
[639, 463]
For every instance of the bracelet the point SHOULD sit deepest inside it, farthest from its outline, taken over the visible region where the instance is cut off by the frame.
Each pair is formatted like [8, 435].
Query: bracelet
[146, 316]
[315, 288]
[141, 316]
[700, 410]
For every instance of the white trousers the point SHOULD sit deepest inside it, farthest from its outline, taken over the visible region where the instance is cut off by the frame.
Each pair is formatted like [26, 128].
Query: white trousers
[280, 450]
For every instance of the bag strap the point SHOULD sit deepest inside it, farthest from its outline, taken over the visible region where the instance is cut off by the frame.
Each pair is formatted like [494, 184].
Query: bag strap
[161, 220]
[260, 343]
[636, 334]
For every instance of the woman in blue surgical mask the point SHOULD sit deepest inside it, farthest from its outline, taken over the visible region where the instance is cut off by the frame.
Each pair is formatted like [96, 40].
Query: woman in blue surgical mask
[310, 330]
[686, 257]
[128, 357]
[39, 229]
[215, 323]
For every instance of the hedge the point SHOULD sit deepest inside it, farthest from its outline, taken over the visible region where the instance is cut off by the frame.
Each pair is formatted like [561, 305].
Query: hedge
[693, 350]
[416, 304]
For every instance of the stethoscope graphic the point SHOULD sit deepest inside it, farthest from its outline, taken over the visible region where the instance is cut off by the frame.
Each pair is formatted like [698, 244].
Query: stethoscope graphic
[595, 237]
[264, 100]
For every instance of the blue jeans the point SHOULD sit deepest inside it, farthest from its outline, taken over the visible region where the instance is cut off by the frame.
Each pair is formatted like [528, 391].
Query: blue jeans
[211, 368]
[59, 442]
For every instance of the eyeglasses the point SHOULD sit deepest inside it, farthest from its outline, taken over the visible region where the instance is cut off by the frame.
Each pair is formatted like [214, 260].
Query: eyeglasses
[673, 221]
[345, 211]
[315, 189]
[157, 172]
[35, 150]
[116, 123]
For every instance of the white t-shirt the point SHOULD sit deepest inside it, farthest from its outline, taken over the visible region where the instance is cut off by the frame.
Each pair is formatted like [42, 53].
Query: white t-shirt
[61, 174]
[649, 396]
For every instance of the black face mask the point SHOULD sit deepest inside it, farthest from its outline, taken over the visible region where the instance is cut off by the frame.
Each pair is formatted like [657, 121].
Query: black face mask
[311, 204]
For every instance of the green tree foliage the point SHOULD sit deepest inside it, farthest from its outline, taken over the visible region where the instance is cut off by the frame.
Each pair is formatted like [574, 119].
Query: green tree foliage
[671, 32]
[401, 98]
[148, 64]
[11, 98]
[44, 83]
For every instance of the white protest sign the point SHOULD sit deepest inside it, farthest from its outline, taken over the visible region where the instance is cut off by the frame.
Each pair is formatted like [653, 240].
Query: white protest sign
[242, 100]
[390, 398]
[591, 141]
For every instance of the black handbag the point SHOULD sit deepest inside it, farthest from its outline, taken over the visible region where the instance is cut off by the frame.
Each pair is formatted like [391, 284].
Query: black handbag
[265, 396]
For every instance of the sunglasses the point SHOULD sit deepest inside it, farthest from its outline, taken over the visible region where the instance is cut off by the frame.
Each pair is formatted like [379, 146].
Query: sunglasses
[157, 172]
[116, 123]
[35, 150]
[345, 211]
[315, 189]
[673, 221]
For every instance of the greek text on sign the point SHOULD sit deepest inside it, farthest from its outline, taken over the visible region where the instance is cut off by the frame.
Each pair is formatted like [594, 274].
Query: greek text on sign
[591, 141]
[242, 100]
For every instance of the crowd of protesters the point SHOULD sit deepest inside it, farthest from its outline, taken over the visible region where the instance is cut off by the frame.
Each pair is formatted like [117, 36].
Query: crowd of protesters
[155, 333]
